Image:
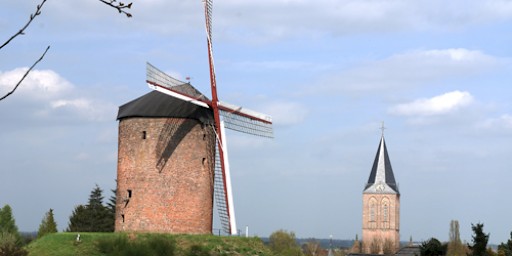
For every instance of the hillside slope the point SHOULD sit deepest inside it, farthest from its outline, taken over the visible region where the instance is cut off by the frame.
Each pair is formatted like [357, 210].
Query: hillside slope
[146, 244]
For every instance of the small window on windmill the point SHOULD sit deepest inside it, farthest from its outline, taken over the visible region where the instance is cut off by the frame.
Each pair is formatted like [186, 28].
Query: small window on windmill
[129, 193]
[204, 161]
[143, 135]
[122, 216]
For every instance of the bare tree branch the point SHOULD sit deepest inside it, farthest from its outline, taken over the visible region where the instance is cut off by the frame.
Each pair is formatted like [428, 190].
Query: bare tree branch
[25, 75]
[21, 31]
[120, 6]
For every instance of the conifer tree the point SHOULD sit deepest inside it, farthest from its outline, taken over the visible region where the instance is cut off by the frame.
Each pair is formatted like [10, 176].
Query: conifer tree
[7, 222]
[78, 221]
[505, 249]
[98, 213]
[111, 205]
[48, 225]
[480, 239]
[93, 217]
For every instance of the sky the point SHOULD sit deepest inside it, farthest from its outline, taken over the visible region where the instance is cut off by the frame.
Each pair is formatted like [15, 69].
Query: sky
[329, 73]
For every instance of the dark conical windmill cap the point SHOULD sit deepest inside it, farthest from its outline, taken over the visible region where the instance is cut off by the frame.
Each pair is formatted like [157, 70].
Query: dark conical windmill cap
[156, 104]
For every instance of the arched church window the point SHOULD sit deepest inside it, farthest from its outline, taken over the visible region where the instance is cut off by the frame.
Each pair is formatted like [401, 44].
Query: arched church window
[372, 212]
[385, 213]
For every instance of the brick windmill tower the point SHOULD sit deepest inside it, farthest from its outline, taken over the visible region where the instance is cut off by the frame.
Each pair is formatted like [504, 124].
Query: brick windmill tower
[381, 206]
[173, 159]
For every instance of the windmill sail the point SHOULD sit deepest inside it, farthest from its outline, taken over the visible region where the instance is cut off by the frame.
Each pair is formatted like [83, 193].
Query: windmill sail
[220, 194]
[233, 117]
[223, 190]
[245, 120]
[236, 118]
[157, 77]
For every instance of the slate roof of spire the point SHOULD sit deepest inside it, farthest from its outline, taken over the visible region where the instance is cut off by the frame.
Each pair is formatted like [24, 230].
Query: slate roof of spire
[157, 104]
[382, 179]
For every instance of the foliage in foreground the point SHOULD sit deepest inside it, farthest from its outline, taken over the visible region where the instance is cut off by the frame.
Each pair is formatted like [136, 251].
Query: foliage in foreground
[120, 245]
[284, 243]
[10, 245]
[100, 244]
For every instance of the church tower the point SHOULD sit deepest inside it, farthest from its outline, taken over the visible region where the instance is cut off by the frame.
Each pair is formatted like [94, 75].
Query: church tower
[381, 207]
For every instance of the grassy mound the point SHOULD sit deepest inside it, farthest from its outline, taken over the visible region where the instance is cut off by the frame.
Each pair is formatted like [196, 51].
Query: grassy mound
[146, 244]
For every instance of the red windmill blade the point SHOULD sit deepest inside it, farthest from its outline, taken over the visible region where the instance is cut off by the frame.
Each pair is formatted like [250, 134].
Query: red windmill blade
[244, 121]
[225, 115]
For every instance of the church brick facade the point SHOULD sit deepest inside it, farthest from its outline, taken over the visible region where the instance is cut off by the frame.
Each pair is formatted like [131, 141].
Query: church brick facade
[381, 207]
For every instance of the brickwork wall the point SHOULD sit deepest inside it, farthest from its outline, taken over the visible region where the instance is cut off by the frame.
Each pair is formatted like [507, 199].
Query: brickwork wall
[165, 176]
[376, 227]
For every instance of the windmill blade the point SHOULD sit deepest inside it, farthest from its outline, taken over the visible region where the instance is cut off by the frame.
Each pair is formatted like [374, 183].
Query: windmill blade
[246, 120]
[162, 82]
[223, 190]
[208, 7]
[220, 194]
[156, 76]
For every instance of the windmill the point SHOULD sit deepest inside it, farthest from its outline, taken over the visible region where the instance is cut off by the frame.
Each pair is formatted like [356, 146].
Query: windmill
[225, 116]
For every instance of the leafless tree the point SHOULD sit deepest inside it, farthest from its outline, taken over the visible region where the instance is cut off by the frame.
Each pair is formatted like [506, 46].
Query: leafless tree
[375, 246]
[312, 248]
[455, 246]
[120, 6]
[388, 247]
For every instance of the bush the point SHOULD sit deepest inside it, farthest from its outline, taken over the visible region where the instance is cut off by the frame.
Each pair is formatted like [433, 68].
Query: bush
[432, 247]
[197, 250]
[121, 245]
[10, 245]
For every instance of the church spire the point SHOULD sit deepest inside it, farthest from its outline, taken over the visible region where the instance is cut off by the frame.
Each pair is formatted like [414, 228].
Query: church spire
[381, 177]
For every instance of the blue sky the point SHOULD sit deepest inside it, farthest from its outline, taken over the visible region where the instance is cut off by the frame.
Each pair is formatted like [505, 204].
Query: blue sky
[329, 72]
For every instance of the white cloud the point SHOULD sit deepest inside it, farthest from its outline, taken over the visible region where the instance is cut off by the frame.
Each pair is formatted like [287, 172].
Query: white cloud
[285, 113]
[45, 95]
[504, 122]
[39, 84]
[78, 104]
[92, 111]
[270, 20]
[263, 20]
[275, 65]
[409, 69]
[456, 55]
[439, 105]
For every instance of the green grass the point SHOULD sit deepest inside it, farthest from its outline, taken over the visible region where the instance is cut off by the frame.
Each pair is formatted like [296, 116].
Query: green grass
[65, 244]
[136, 244]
